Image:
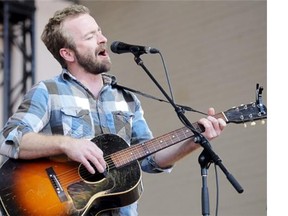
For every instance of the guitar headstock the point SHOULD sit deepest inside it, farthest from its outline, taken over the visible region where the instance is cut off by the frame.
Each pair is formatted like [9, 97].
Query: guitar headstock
[246, 113]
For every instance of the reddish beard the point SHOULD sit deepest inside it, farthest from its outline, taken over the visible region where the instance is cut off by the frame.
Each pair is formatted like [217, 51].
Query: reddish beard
[92, 64]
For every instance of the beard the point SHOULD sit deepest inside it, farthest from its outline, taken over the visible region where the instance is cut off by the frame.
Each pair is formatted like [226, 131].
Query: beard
[92, 65]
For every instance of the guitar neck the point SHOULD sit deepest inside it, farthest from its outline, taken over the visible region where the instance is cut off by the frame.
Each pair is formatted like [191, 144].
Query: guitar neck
[147, 148]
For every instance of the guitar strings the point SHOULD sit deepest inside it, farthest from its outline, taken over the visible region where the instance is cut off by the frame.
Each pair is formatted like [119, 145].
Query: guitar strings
[124, 156]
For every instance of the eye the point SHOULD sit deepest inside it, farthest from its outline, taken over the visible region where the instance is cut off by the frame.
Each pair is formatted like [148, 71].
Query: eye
[90, 36]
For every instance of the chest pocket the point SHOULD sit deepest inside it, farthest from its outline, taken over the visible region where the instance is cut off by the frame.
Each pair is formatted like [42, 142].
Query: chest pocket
[76, 122]
[123, 124]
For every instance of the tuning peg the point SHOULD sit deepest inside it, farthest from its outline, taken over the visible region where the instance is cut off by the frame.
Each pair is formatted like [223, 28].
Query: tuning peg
[245, 125]
[253, 123]
[263, 122]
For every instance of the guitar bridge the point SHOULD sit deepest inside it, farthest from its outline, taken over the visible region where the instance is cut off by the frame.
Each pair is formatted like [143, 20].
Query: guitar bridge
[56, 184]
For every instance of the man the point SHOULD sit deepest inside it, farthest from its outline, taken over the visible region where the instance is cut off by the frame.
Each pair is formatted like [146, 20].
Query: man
[60, 116]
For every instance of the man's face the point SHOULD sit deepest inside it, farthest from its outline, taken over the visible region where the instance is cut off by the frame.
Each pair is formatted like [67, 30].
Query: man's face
[90, 53]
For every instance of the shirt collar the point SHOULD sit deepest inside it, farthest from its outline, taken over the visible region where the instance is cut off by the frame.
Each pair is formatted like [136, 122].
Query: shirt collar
[107, 78]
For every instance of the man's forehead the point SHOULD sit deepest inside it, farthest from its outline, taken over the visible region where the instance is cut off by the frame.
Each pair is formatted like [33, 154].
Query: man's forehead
[81, 25]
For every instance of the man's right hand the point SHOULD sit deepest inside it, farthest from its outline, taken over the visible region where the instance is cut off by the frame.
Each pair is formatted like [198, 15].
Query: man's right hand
[86, 152]
[34, 145]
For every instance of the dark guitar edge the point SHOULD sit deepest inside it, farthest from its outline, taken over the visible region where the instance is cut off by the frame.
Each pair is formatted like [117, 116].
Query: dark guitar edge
[135, 192]
[3, 209]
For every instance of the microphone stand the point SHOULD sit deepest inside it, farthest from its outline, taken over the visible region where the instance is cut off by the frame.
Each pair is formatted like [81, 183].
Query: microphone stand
[204, 160]
[207, 156]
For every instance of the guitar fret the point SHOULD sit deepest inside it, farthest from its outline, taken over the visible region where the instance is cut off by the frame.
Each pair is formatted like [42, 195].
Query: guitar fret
[167, 140]
[128, 155]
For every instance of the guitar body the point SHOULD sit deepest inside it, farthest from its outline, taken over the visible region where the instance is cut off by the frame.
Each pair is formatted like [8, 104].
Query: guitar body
[57, 187]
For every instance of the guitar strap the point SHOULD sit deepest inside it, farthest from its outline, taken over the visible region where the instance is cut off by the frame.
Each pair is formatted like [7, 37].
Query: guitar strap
[114, 84]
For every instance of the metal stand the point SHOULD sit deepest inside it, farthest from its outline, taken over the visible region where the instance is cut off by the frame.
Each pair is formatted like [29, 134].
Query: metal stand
[208, 154]
[18, 23]
[204, 161]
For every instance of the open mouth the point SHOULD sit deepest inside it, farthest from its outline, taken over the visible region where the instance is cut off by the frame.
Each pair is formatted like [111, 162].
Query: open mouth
[102, 53]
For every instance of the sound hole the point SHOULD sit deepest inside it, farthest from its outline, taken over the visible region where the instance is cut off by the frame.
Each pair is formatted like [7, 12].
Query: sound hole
[87, 176]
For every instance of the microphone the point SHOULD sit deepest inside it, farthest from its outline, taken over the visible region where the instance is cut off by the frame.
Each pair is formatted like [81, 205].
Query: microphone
[120, 47]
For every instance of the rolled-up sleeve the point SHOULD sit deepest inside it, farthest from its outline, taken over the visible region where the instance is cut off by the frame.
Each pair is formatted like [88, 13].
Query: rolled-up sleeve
[150, 166]
[30, 117]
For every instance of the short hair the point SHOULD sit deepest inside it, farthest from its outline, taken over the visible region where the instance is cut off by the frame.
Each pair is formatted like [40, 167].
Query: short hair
[54, 37]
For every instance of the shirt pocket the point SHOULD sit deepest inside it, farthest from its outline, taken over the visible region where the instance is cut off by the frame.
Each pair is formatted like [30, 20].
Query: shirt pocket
[123, 124]
[76, 122]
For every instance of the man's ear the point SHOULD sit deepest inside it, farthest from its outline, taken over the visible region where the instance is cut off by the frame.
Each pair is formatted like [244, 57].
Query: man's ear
[67, 54]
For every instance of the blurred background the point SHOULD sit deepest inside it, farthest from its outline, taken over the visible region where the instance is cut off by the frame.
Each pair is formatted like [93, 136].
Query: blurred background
[215, 53]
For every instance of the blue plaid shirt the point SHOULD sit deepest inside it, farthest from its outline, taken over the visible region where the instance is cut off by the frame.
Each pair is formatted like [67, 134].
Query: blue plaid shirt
[63, 105]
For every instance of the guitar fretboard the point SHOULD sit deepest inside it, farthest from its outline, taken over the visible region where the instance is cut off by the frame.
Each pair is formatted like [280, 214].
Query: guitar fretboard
[144, 149]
